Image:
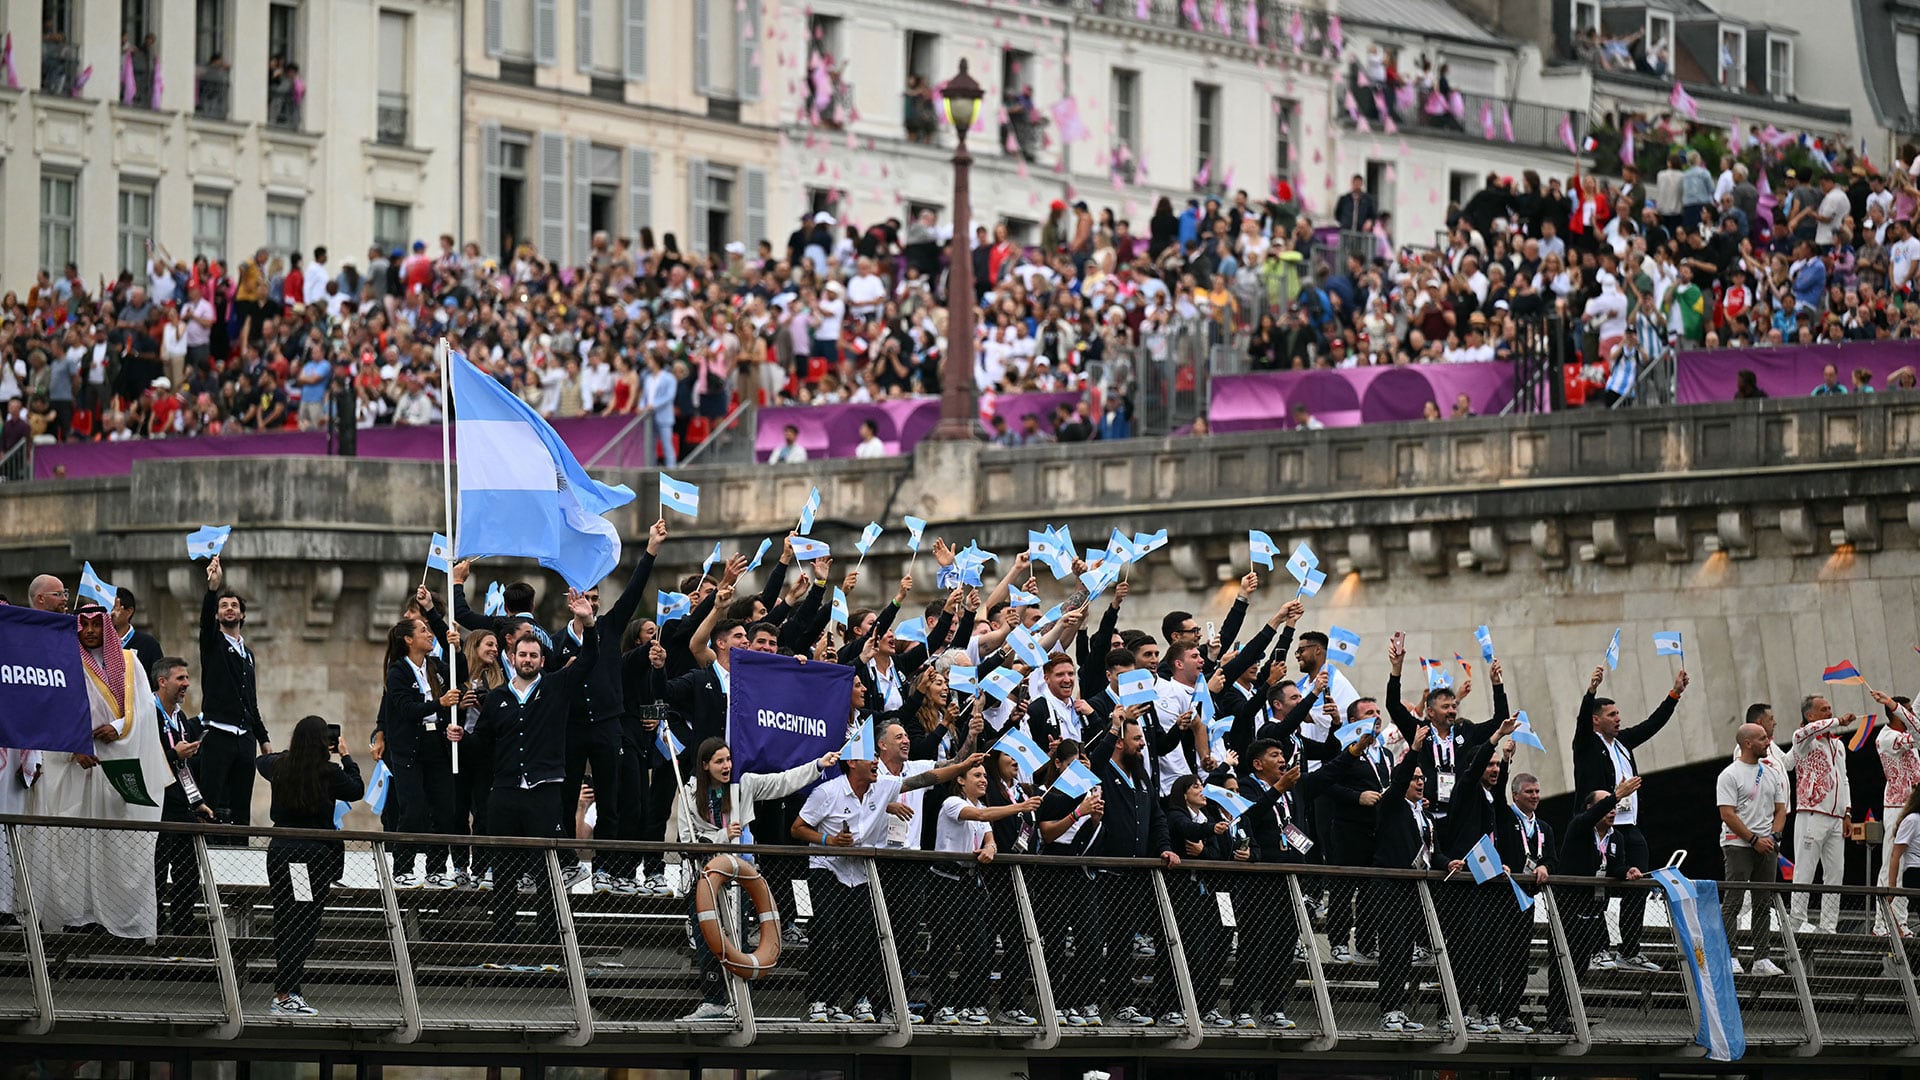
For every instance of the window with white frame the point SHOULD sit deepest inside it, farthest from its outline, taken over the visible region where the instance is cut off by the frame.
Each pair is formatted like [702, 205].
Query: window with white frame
[1659, 32]
[135, 221]
[58, 220]
[516, 29]
[1206, 129]
[1126, 113]
[609, 39]
[283, 227]
[1733, 58]
[392, 225]
[1586, 16]
[1906, 51]
[1286, 114]
[210, 225]
[1780, 66]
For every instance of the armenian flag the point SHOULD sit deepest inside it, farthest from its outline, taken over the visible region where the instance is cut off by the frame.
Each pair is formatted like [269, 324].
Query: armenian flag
[1843, 672]
[1862, 737]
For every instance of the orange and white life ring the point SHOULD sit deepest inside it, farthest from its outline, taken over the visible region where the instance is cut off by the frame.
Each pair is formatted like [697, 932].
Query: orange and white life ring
[706, 905]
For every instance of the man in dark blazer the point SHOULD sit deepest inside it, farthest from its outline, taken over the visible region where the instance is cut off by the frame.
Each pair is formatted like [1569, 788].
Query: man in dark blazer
[1403, 840]
[234, 733]
[1132, 826]
[1593, 848]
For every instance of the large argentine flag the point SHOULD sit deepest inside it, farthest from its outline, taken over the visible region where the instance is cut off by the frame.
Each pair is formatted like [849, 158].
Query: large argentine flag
[1695, 906]
[521, 491]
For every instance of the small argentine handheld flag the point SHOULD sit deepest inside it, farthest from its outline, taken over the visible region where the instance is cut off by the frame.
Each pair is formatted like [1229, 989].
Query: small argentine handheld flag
[1148, 543]
[1484, 861]
[1485, 637]
[1310, 585]
[94, 589]
[915, 528]
[839, 613]
[377, 784]
[671, 606]
[679, 495]
[669, 744]
[963, 679]
[859, 745]
[206, 541]
[1076, 780]
[1667, 643]
[1302, 560]
[522, 492]
[712, 557]
[1343, 645]
[867, 536]
[1524, 734]
[759, 555]
[340, 808]
[1351, 732]
[496, 599]
[1017, 598]
[914, 629]
[1026, 647]
[804, 548]
[1019, 746]
[999, 683]
[1135, 687]
[1260, 548]
[1613, 652]
[808, 509]
[440, 554]
[1230, 801]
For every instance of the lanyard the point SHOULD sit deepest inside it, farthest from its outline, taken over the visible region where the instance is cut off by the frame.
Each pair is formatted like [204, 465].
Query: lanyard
[1444, 761]
[170, 719]
[1601, 841]
[1532, 840]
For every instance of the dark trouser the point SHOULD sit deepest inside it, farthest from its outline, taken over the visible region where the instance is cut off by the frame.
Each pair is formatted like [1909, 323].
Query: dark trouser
[176, 880]
[598, 744]
[224, 770]
[1205, 940]
[531, 812]
[635, 787]
[1583, 916]
[296, 922]
[959, 907]
[1351, 845]
[424, 787]
[844, 962]
[470, 781]
[1003, 919]
[1126, 908]
[1064, 904]
[1470, 919]
[1396, 904]
[1633, 902]
[1268, 933]
[1512, 941]
[1745, 864]
[916, 929]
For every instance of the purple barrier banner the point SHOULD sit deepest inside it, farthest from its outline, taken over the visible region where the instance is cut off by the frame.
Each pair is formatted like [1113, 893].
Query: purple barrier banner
[1787, 371]
[586, 436]
[833, 431]
[1348, 397]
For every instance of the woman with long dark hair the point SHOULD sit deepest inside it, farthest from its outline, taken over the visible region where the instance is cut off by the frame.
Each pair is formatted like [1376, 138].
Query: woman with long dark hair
[716, 807]
[420, 734]
[1903, 860]
[307, 782]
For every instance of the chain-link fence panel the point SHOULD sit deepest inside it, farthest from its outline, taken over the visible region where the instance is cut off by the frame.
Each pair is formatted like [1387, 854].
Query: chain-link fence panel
[1768, 978]
[1393, 992]
[310, 934]
[1853, 982]
[114, 950]
[837, 971]
[488, 952]
[22, 978]
[1245, 948]
[976, 974]
[1632, 979]
[644, 945]
[1106, 952]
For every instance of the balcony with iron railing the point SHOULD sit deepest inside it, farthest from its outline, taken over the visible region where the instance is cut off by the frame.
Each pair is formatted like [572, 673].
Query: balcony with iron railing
[60, 68]
[1276, 25]
[212, 93]
[284, 101]
[1477, 117]
[391, 119]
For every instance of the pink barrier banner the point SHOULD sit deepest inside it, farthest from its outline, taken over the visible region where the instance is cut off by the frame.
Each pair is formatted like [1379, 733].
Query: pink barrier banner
[1348, 397]
[1788, 371]
[586, 436]
[833, 431]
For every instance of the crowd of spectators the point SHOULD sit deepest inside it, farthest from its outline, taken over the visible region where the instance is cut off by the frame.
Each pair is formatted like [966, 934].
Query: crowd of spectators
[1692, 259]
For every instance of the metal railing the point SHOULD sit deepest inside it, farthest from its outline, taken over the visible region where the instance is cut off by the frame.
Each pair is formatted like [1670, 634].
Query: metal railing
[1038, 944]
[212, 93]
[1279, 25]
[16, 465]
[59, 67]
[1483, 117]
[390, 121]
[283, 106]
[920, 116]
[730, 441]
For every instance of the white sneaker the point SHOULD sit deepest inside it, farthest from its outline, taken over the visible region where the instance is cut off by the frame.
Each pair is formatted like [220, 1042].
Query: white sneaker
[1477, 1026]
[1766, 969]
[975, 1016]
[485, 883]
[602, 882]
[1515, 1026]
[575, 875]
[407, 881]
[1734, 964]
[439, 881]
[1217, 1019]
[291, 1006]
[1278, 1021]
[863, 1012]
[708, 1012]
[1604, 960]
[1342, 954]
[1015, 1016]
[1397, 1021]
[1128, 1016]
[1639, 962]
[1173, 1018]
[822, 1013]
[1808, 928]
[1422, 955]
[945, 1016]
[1245, 1021]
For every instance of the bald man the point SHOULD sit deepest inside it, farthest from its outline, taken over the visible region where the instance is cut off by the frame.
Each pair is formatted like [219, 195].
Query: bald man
[47, 594]
[1753, 810]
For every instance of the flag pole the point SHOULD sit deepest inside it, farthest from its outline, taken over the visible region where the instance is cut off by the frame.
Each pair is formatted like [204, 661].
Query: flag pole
[441, 355]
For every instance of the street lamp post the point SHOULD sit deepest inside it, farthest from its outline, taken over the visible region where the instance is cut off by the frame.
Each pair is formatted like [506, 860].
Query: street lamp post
[956, 379]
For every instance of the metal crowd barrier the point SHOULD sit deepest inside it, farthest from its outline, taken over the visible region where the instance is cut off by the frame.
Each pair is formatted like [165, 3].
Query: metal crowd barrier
[1036, 945]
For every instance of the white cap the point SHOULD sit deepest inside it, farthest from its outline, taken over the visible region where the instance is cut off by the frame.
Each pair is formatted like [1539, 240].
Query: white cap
[823, 218]
[736, 248]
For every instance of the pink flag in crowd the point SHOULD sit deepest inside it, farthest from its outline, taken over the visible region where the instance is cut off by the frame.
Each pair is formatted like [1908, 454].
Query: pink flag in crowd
[1335, 35]
[1734, 139]
[1506, 122]
[6, 64]
[1683, 102]
[159, 85]
[1253, 23]
[1566, 135]
[1191, 9]
[1205, 174]
[1066, 116]
[126, 78]
[1222, 21]
[1486, 120]
[1626, 144]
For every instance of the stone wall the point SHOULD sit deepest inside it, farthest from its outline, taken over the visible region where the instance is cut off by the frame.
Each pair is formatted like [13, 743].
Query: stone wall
[1777, 537]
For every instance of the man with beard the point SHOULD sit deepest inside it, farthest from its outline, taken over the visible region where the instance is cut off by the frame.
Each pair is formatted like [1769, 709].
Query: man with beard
[230, 709]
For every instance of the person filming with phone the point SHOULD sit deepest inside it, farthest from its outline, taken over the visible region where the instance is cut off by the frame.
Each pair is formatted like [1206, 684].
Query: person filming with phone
[307, 782]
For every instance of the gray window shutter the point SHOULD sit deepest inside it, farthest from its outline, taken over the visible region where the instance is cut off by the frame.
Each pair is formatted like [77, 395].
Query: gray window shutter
[496, 34]
[756, 208]
[697, 206]
[639, 189]
[553, 197]
[749, 61]
[546, 32]
[700, 36]
[583, 35]
[636, 41]
[490, 189]
[582, 200]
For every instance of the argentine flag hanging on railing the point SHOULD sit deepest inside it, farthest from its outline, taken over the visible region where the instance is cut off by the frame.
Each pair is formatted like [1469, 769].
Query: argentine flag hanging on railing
[1702, 941]
[521, 490]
